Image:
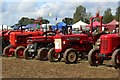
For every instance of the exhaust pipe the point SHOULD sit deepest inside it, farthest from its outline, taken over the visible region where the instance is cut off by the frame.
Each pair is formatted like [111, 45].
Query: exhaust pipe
[7, 28]
[2, 27]
[119, 26]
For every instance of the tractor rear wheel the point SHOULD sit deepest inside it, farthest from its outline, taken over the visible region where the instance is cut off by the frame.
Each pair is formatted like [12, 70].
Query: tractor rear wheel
[7, 52]
[28, 55]
[70, 56]
[42, 54]
[53, 56]
[116, 58]
[19, 51]
[94, 58]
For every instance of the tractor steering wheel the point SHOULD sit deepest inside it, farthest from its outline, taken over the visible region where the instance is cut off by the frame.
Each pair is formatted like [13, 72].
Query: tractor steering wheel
[49, 33]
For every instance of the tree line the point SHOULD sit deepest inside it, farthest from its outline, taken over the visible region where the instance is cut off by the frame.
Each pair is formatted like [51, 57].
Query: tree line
[80, 14]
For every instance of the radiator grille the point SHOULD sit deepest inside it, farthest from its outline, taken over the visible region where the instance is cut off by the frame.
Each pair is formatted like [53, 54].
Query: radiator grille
[104, 44]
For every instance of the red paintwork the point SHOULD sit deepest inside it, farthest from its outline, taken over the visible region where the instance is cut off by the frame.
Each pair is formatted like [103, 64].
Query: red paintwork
[40, 39]
[109, 43]
[80, 42]
[5, 34]
[22, 41]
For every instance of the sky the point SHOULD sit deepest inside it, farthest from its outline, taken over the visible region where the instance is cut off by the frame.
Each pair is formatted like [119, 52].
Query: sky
[13, 10]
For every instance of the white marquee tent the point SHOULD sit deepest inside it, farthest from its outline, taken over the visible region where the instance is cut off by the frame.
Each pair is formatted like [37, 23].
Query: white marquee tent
[5, 27]
[80, 24]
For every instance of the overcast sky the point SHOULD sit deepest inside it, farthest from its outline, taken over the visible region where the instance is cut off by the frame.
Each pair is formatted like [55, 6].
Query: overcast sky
[13, 10]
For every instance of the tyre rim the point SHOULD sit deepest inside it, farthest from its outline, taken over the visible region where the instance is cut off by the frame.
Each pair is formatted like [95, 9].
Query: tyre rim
[20, 53]
[30, 55]
[43, 54]
[96, 59]
[8, 53]
[72, 56]
[118, 58]
[55, 56]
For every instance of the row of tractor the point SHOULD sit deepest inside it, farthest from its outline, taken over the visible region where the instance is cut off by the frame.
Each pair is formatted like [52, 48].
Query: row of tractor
[54, 46]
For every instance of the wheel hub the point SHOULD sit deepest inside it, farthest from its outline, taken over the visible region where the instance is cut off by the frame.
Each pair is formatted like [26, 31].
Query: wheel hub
[44, 54]
[20, 52]
[71, 57]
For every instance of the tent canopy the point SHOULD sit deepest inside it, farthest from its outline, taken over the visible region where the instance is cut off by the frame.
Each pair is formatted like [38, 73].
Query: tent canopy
[44, 25]
[79, 24]
[112, 25]
[59, 26]
[114, 22]
[29, 26]
[16, 27]
[32, 26]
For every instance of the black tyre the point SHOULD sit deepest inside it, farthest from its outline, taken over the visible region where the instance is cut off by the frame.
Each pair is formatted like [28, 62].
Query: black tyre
[70, 56]
[28, 55]
[19, 51]
[53, 56]
[7, 52]
[42, 54]
[116, 58]
[94, 58]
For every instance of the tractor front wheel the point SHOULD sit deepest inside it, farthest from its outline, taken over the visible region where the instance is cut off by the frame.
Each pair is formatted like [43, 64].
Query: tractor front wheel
[19, 51]
[28, 55]
[7, 52]
[116, 58]
[42, 54]
[94, 58]
[71, 56]
[53, 56]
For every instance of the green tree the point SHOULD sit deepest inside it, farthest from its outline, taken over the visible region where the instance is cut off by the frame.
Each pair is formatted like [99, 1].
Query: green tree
[107, 16]
[45, 21]
[80, 14]
[25, 21]
[87, 18]
[117, 15]
[68, 21]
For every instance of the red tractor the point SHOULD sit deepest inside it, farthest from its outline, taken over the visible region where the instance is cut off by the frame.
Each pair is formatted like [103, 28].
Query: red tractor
[18, 42]
[109, 49]
[5, 37]
[68, 46]
[71, 46]
[39, 46]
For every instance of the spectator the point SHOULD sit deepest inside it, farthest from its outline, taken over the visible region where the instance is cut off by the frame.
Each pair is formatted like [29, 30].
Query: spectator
[117, 29]
[70, 31]
[106, 30]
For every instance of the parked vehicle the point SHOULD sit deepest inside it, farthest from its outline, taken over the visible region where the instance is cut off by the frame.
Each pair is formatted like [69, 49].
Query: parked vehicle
[109, 49]
[71, 46]
[39, 46]
[18, 42]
